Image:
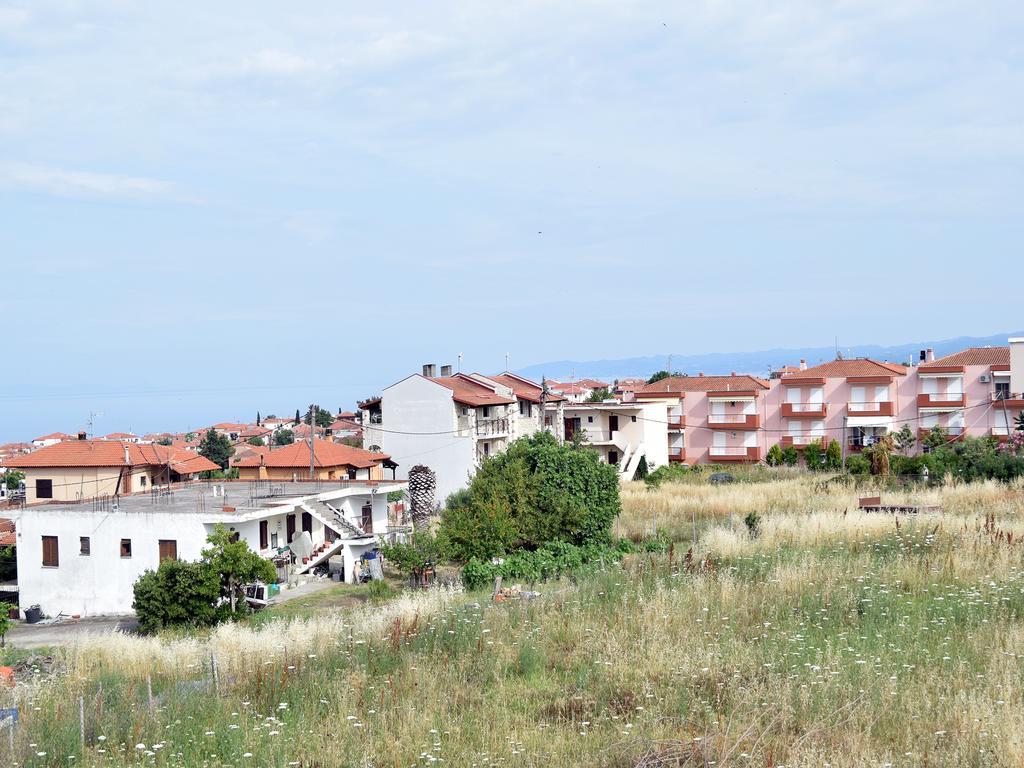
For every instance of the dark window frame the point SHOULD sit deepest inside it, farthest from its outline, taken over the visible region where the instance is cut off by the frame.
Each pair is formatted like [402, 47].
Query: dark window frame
[126, 549]
[44, 483]
[84, 546]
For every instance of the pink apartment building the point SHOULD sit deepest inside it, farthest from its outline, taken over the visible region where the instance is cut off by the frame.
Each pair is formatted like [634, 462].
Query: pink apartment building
[737, 418]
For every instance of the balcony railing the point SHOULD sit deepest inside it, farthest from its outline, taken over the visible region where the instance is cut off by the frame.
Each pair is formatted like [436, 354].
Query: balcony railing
[802, 439]
[804, 409]
[733, 420]
[940, 400]
[1014, 399]
[953, 433]
[877, 408]
[677, 454]
[734, 453]
[492, 427]
[676, 421]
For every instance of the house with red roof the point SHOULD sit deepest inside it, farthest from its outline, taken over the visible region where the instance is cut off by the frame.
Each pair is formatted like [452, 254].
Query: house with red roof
[51, 439]
[330, 461]
[77, 470]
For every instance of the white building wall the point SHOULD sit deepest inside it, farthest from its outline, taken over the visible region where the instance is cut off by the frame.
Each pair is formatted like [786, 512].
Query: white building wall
[419, 406]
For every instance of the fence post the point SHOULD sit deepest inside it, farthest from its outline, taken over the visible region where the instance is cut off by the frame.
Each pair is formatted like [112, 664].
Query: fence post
[216, 677]
[81, 722]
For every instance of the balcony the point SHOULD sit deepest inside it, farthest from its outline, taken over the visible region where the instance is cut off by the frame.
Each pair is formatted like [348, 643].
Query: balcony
[1008, 399]
[883, 408]
[492, 428]
[676, 422]
[734, 453]
[734, 421]
[677, 455]
[804, 410]
[801, 440]
[953, 434]
[941, 400]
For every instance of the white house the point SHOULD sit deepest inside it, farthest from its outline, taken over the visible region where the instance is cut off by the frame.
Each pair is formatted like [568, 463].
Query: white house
[452, 422]
[621, 433]
[85, 558]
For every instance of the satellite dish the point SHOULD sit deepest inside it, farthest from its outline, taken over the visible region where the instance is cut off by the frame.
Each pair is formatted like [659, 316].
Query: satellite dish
[302, 544]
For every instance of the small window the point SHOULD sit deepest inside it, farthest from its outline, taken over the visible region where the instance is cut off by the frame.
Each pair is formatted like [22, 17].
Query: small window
[168, 549]
[633, 419]
[51, 559]
[486, 411]
[126, 547]
[264, 534]
[590, 419]
[84, 546]
[44, 489]
[142, 481]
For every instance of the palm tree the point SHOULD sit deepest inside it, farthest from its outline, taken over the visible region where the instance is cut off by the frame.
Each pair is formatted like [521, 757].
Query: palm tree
[422, 485]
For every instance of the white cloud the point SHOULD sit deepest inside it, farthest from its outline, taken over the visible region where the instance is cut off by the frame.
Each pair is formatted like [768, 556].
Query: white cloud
[272, 61]
[67, 183]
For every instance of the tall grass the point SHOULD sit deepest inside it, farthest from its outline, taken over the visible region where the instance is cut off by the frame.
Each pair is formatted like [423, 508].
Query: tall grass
[829, 637]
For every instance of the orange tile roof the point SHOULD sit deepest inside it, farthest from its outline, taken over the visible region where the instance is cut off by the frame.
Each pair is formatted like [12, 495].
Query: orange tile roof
[524, 389]
[973, 356]
[325, 454]
[470, 392]
[118, 435]
[674, 384]
[110, 453]
[861, 366]
[8, 537]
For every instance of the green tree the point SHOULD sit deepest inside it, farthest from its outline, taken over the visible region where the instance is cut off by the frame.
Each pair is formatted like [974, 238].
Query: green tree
[774, 456]
[258, 419]
[234, 563]
[217, 448]
[814, 455]
[422, 551]
[257, 441]
[12, 478]
[790, 456]
[1018, 424]
[165, 441]
[537, 491]
[5, 622]
[189, 437]
[322, 417]
[177, 593]
[658, 376]
[599, 395]
[298, 419]
[937, 437]
[834, 455]
[284, 437]
[904, 440]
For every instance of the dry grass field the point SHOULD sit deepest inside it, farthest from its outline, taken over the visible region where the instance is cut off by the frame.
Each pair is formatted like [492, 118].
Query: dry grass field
[826, 637]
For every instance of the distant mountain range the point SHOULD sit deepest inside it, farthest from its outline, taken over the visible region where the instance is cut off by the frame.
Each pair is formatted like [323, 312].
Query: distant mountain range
[757, 363]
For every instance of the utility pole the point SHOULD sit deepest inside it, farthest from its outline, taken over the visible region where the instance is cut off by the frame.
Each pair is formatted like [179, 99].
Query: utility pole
[543, 399]
[312, 454]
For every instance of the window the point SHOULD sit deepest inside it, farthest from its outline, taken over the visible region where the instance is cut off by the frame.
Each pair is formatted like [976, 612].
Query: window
[486, 411]
[590, 419]
[51, 558]
[168, 549]
[142, 481]
[126, 547]
[1002, 390]
[633, 419]
[525, 408]
[84, 546]
[44, 489]
[487, 449]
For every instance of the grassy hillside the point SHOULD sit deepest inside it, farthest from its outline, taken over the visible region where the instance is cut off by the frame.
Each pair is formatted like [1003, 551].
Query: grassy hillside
[831, 637]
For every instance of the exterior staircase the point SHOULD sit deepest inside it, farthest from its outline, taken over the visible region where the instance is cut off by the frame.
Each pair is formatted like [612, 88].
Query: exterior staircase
[333, 518]
[630, 461]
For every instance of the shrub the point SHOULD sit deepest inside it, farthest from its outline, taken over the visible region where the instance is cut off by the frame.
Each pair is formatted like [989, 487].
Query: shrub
[548, 562]
[834, 456]
[774, 456]
[790, 456]
[535, 492]
[667, 473]
[177, 593]
[753, 523]
[857, 465]
[659, 541]
[814, 456]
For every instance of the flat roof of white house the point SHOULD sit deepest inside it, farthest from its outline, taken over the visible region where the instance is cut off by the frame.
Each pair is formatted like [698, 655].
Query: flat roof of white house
[222, 500]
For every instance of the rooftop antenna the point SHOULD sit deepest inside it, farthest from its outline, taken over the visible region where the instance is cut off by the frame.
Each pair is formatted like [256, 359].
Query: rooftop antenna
[460, 362]
[506, 361]
[92, 418]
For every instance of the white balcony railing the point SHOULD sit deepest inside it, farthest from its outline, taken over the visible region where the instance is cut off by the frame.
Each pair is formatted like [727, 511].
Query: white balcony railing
[728, 418]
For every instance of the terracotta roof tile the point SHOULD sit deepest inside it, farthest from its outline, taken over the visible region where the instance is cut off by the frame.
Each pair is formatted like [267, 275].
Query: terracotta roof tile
[673, 384]
[973, 356]
[860, 366]
[524, 389]
[326, 454]
[54, 436]
[469, 392]
[108, 453]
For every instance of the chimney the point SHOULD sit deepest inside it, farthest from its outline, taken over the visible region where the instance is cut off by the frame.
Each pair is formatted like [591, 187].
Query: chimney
[701, 373]
[430, 370]
[732, 373]
[922, 356]
[127, 455]
[446, 370]
[81, 435]
[803, 365]
[931, 355]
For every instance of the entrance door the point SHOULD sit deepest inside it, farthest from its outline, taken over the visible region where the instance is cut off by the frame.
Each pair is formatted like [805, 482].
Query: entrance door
[307, 523]
[290, 528]
[613, 457]
[613, 424]
[571, 427]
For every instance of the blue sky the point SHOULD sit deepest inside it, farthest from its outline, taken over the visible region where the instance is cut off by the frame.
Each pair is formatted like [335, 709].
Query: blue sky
[213, 208]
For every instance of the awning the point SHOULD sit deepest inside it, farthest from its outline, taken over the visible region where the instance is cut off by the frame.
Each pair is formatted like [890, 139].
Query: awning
[869, 421]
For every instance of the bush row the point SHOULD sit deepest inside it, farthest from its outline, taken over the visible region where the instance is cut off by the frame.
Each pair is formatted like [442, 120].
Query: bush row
[548, 562]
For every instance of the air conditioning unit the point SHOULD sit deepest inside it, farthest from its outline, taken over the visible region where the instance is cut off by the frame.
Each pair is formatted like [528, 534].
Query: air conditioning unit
[986, 378]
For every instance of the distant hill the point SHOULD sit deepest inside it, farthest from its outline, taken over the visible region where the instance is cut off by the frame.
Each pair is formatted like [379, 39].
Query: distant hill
[757, 363]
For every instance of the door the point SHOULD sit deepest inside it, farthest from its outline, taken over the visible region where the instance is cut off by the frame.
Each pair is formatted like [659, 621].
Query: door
[571, 427]
[307, 523]
[367, 518]
[613, 424]
[264, 534]
[290, 528]
[613, 457]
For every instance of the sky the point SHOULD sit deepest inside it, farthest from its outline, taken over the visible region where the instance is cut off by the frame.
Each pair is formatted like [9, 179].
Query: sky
[208, 209]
